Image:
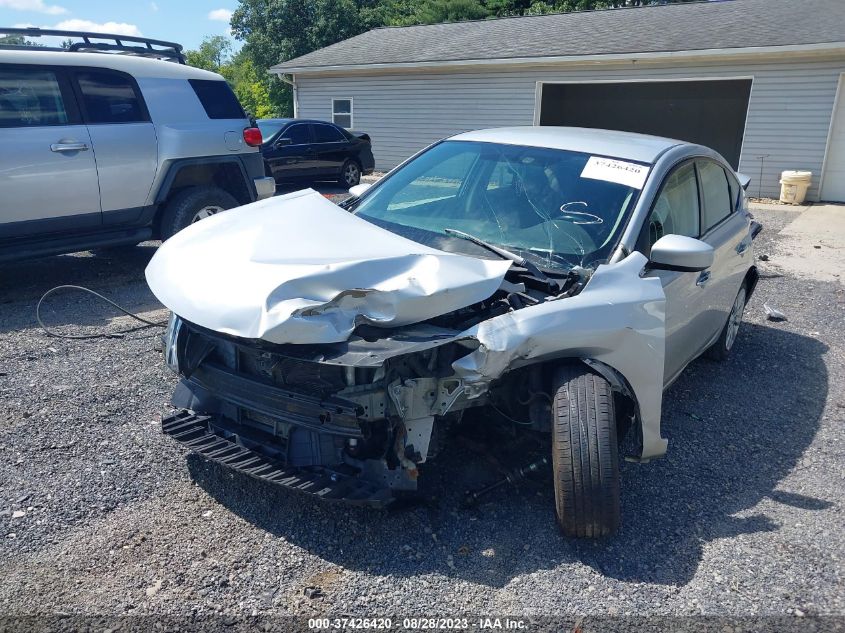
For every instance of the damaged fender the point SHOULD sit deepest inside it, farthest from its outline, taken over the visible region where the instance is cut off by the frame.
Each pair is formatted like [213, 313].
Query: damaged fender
[618, 319]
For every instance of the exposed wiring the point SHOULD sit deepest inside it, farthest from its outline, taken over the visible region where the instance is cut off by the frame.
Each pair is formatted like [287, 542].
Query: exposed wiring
[147, 323]
[507, 417]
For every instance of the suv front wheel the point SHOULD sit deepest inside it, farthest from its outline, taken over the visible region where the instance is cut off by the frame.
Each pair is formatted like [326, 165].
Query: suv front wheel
[192, 205]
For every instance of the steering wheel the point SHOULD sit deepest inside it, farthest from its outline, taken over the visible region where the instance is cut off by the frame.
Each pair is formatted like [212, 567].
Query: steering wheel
[578, 217]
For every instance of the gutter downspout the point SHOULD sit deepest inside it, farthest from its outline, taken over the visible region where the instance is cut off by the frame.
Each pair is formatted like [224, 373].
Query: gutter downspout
[292, 83]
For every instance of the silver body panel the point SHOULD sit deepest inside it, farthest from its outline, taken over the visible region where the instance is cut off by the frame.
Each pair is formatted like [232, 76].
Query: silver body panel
[37, 183]
[127, 160]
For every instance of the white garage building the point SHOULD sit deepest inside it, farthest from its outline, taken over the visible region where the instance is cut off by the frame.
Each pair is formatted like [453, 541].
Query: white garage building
[761, 81]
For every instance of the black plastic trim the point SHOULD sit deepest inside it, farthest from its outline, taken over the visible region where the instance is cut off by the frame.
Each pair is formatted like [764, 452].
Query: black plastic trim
[59, 245]
[174, 166]
[216, 439]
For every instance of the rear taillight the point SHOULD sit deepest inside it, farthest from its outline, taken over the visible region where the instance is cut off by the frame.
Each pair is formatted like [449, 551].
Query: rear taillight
[252, 136]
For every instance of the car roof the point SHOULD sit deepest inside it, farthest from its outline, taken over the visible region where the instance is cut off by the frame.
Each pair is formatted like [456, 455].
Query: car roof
[626, 145]
[133, 65]
[284, 121]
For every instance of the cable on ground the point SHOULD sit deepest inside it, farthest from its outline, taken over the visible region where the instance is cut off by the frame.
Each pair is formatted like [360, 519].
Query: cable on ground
[147, 323]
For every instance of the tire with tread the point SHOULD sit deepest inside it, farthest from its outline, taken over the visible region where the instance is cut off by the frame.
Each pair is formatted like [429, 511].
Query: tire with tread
[585, 453]
[180, 210]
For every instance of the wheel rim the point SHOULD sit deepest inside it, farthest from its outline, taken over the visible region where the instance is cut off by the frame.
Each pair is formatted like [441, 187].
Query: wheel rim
[206, 212]
[350, 174]
[735, 318]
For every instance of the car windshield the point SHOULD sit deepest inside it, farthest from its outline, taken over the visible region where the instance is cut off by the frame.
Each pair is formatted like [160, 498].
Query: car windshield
[557, 207]
[270, 128]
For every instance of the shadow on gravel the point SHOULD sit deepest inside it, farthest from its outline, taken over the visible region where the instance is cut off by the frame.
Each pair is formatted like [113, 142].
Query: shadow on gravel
[735, 430]
[118, 274]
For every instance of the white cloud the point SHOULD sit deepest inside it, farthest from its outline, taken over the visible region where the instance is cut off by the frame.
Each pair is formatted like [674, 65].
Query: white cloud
[153, 7]
[219, 15]
[36, 6]
[118, 28]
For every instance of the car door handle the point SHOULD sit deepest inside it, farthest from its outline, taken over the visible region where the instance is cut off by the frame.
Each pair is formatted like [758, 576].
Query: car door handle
[703, 278]
[742, 247]
[69, 147]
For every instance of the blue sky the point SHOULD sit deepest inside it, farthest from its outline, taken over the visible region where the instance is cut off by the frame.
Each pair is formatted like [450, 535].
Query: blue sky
[183, 21]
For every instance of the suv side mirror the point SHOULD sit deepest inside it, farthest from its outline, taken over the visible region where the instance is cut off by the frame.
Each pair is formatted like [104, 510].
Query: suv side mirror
[284, 141]
[681, 253]
[357, 190]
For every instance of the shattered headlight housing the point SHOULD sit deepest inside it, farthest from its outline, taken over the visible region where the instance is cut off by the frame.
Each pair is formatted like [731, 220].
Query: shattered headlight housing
[170, 342]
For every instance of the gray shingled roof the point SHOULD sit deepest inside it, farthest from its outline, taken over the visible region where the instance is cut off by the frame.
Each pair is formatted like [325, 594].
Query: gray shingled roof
[655, 28]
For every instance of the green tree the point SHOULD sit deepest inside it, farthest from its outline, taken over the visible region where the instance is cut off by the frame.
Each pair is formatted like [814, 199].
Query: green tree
[277, 30]
[437, 11]
[251, 87]
[17, 40]
[213, 53]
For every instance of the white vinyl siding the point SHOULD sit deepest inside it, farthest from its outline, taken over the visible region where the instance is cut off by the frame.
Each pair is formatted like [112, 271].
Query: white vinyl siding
[788, 119]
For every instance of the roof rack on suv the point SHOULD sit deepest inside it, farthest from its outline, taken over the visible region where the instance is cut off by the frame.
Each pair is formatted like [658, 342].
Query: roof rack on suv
[138, 46]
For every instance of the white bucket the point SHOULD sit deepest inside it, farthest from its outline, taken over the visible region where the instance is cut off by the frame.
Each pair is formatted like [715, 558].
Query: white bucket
[794, 185]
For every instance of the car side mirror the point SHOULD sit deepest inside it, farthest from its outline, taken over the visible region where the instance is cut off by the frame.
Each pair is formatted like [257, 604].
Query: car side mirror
[681, 253]
[284, 141]
[359, 189]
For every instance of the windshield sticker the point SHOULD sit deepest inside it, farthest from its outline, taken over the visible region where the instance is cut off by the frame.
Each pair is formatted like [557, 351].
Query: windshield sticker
[618, 171]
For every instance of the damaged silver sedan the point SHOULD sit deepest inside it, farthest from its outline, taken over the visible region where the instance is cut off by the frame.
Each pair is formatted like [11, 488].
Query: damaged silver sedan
[561, 277]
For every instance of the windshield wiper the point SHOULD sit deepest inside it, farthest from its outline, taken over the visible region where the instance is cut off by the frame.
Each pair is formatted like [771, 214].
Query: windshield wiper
[501, 252]
[505, 254]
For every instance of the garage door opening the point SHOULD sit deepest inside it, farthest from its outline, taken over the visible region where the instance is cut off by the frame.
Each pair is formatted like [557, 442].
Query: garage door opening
[710, 113]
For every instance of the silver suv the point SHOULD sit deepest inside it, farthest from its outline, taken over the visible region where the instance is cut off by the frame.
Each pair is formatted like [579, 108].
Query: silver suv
[111, 147]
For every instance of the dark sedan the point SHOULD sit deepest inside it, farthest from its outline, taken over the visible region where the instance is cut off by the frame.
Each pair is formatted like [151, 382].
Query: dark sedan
[300, 149]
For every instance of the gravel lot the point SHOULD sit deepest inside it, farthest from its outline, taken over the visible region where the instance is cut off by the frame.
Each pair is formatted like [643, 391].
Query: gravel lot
[102, 514]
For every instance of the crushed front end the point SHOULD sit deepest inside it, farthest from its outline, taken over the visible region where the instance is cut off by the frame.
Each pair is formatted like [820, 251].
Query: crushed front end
[350, 421]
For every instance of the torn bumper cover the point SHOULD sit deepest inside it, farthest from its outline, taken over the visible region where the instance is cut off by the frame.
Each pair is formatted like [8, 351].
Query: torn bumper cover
[271, 299]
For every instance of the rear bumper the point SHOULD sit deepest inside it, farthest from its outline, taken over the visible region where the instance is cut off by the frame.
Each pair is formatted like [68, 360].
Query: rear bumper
[238, 447]
[265, 187]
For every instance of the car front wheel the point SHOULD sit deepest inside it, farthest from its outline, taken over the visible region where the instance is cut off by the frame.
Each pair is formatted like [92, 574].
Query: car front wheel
[585, 454]
[192, 205]
[350, 174]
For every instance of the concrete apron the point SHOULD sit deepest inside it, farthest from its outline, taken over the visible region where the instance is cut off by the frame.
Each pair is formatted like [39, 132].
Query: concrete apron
[813, 244]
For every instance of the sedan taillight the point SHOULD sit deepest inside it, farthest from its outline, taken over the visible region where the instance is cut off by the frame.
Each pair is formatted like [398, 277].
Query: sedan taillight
[252, 136]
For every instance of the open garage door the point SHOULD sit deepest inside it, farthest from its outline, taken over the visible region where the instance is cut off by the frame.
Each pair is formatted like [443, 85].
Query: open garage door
[710, 113]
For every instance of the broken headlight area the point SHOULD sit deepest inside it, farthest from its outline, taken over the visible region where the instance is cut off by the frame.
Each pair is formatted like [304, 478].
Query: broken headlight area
[360, 415]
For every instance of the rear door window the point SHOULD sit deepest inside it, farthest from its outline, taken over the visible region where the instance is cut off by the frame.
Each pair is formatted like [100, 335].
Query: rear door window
[31, 98]
[327, 134]
[110, 97]
[715, 193]
[298, 134]
[217, 99]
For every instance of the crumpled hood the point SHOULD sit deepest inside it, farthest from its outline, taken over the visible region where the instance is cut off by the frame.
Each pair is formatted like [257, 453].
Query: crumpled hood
[299, 269]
